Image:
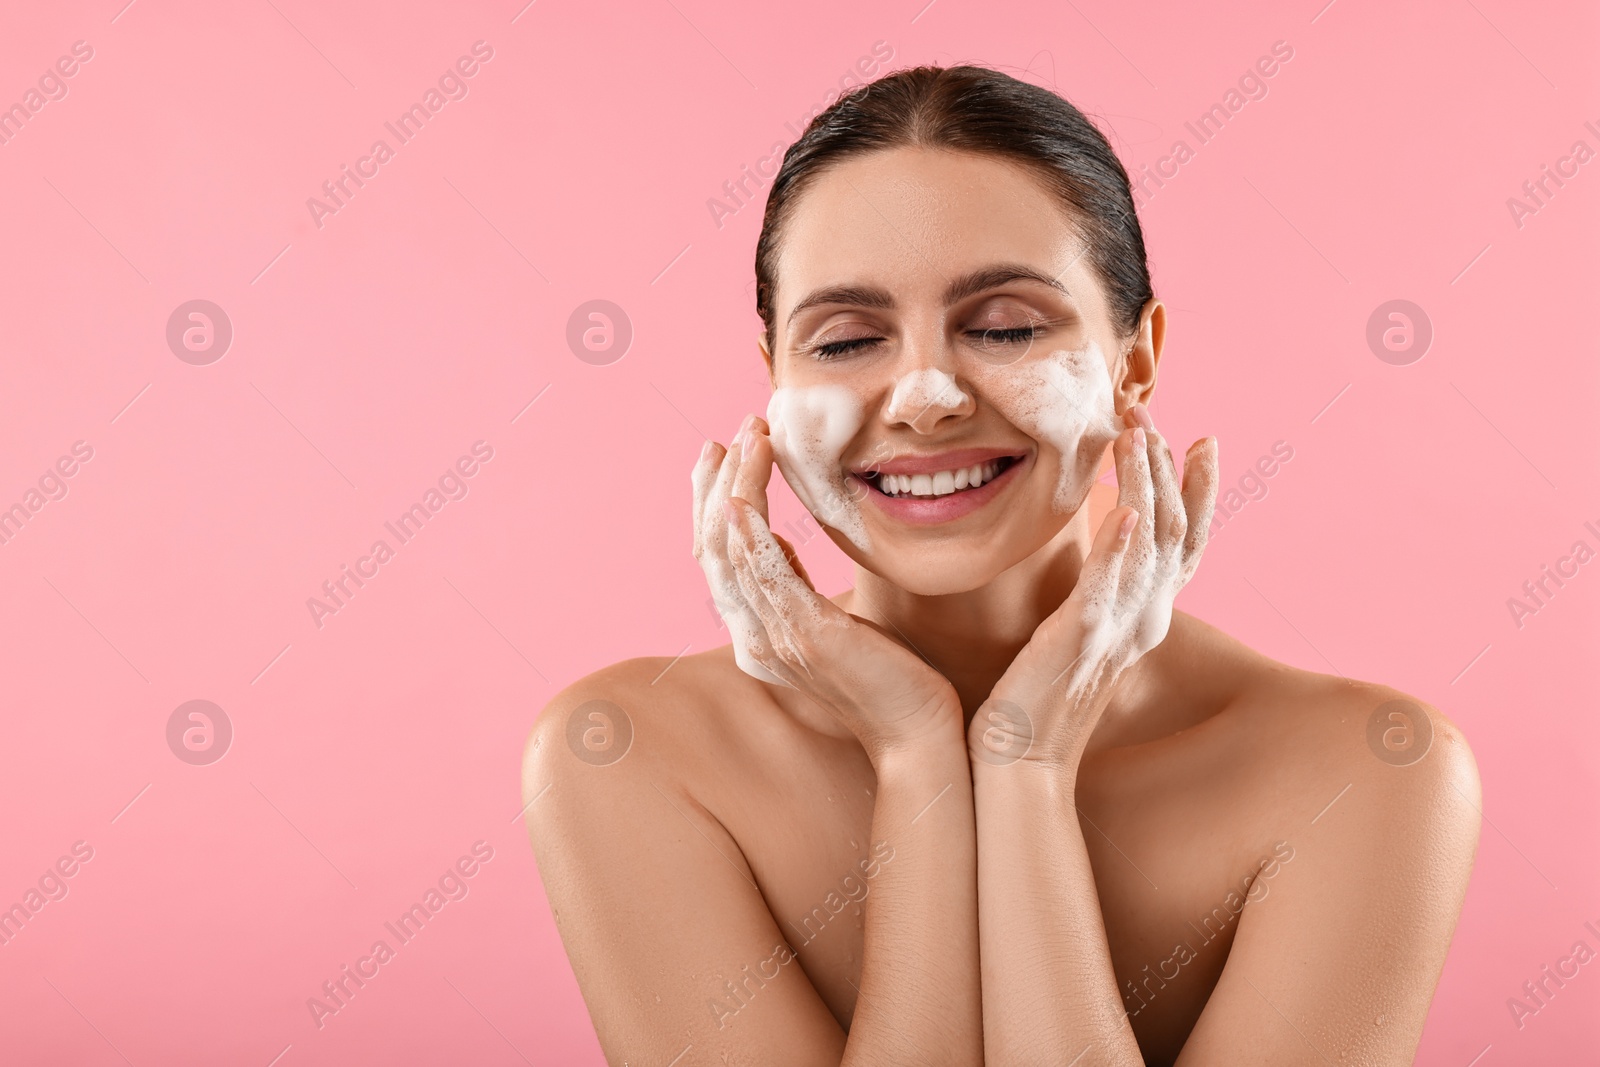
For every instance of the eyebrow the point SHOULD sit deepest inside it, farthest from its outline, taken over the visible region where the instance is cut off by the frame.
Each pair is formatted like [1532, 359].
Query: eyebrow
[968, 284]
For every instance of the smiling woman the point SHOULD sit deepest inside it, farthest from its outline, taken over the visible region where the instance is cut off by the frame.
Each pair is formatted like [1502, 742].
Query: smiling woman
[961, 335]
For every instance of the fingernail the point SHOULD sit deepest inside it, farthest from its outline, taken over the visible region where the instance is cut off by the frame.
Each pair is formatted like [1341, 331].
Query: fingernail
[1138, 437]
[749, 421]
[1129, 521]
[739, 441]
[705, 450]
[1142, 414]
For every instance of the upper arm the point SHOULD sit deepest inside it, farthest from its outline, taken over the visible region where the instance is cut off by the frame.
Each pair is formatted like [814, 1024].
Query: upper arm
[670, 939]
[1336, 962]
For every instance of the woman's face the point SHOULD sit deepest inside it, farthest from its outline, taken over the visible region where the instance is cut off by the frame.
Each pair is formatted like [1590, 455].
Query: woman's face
[946, 369]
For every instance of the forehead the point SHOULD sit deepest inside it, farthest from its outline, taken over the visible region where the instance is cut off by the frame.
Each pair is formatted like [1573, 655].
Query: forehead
[910, 218]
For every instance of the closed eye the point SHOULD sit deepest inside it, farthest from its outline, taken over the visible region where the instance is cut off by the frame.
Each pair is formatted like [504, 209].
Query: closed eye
[989, 337]
[1012, 335]
[835, 349]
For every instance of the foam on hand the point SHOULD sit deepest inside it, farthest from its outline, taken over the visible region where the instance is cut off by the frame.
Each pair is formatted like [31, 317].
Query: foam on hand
[811, 426]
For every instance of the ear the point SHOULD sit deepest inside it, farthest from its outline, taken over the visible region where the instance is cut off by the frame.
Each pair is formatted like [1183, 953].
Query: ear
[766, 355]
[1137, 382]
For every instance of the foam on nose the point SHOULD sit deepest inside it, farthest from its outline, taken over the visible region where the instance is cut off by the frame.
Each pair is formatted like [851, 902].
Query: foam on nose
[917, 391]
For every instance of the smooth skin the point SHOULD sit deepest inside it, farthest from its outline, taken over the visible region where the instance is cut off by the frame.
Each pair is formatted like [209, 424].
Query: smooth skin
[977, 824]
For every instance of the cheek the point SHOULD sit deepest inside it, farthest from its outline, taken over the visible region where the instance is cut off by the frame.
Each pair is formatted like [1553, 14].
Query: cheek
[811, 427]
[1065, 402]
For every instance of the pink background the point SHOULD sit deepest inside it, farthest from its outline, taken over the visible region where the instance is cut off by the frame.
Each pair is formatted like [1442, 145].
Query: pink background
[372, 752]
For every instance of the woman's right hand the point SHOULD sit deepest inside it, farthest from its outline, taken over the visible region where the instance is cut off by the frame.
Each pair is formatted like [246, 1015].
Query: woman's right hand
[785, 632]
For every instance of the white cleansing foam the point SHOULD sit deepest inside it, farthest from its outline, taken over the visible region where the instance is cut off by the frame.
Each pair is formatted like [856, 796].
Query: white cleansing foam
[1066, 401]
[812, 425]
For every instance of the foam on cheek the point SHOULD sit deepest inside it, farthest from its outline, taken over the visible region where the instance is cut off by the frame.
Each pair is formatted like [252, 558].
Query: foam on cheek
[811, 427]
[1064, 400]
[920, 390]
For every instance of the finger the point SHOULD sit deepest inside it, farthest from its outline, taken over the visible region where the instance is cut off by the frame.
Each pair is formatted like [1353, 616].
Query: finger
[757, 636]
[713, 475]
[759, 568]
[755, 469]
[1131, 450]
[1102, 568]
[778, 580]
[1169, 521]
[1199, 500]
[703, 477]
[714, 519]
[794, 560]
[1089, 614]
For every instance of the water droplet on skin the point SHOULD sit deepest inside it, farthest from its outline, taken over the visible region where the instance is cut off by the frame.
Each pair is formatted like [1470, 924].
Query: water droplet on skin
[1378, 1021]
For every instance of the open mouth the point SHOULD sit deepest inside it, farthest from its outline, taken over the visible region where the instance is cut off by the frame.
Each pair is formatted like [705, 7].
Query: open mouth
[939, 483]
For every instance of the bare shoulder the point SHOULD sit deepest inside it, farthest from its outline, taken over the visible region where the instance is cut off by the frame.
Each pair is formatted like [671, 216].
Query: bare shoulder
[647, 887]
[1394, 743]
[1374, 795]
[648, 715]
[1384, 777]
[1287, 743]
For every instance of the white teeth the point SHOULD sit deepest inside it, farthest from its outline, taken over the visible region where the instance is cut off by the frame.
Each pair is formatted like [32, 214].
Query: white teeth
[941, 483]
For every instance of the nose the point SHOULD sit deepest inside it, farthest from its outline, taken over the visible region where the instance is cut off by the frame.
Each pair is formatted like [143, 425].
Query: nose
[925, 395]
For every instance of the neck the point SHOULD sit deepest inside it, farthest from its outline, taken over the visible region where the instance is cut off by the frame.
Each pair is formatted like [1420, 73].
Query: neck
[971, 637]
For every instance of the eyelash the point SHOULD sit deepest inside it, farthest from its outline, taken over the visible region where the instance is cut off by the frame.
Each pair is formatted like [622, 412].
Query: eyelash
[835, 349]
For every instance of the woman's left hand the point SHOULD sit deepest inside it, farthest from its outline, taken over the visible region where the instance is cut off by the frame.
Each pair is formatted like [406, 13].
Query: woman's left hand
[1048, 701]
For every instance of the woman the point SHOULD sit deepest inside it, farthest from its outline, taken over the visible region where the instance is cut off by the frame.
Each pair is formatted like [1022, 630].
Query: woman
[998, 803]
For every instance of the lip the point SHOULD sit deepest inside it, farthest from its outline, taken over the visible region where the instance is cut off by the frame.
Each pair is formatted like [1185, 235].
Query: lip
[934, 462]
[927, 511]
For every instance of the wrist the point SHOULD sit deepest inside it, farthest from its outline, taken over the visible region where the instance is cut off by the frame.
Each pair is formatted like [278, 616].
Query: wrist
[939, 740]
[1006, 733]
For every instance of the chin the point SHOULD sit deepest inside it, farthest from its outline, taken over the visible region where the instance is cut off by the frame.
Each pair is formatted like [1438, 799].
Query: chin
[943, 568]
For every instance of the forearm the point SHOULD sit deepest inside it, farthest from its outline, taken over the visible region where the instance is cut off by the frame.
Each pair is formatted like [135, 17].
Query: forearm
[919, 1000]
[1049, 991]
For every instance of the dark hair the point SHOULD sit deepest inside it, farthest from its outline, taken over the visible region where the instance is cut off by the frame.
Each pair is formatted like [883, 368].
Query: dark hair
[973, 109]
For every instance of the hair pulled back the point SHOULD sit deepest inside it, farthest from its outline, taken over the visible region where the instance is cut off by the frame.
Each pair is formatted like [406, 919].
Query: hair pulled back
[973, 109]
